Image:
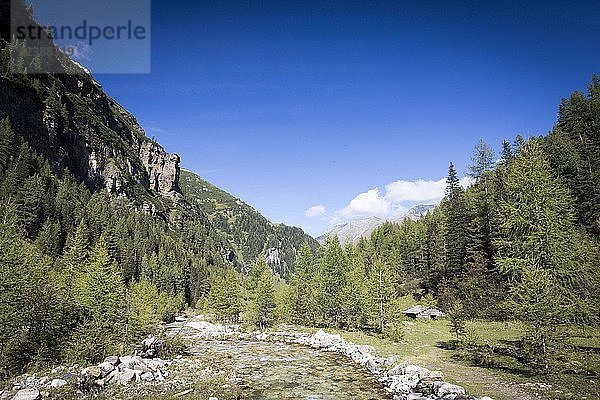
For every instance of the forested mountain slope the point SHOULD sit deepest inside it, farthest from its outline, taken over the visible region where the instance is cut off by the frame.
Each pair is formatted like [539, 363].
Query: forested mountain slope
[250, 233]
[97, 242]
[70, 122]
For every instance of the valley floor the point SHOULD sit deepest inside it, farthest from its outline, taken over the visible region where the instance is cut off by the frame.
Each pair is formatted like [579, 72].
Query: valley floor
[209, 368]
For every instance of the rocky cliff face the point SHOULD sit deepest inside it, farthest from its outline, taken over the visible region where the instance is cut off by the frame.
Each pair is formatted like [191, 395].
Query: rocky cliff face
[162, 168]
[68, 119]
[273, 258]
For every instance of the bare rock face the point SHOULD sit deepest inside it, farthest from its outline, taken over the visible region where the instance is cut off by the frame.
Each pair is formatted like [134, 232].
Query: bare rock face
[113, 179]
[72, 123]
[162, 168]
[273, 257]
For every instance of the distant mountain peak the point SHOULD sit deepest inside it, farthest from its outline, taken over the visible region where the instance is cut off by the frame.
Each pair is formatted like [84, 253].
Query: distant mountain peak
[352, 231]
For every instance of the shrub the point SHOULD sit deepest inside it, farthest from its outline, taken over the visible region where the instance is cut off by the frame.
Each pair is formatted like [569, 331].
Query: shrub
[457, 320]
[169, 306]
[174, 347]
[475, 350]
[144, 302]
[394, 332]
[148, 308]
[93, 340]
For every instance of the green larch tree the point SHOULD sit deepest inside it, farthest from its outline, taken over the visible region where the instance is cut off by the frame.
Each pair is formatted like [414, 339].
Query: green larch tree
[548, 259]
[263, 300]
[380, 293]
[332, 279]
[303, 284]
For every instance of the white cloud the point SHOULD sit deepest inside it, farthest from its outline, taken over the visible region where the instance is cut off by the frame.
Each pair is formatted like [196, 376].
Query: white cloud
[315, 211]
[81, 51]
[370, 203]
[398, 198]
[417, 191]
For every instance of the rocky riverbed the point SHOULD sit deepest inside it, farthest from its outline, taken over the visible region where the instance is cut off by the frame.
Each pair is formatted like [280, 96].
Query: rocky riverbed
[402, 381]
[245, 365]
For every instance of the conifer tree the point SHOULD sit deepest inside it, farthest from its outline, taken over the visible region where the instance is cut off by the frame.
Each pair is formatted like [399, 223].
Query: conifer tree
[507, 152]
[263, 300]
[260, 265]
[28, 298]
[456, 230]
[225, 297]
[284, 299]
[76, 252]
[574, 152]
[6, 143]
[143, 310]
[99, 291]
[18, 172]
[99, 295]
[480, 278]
[355, 292]
[482, 159]
[381, 293]
[30, 202]
[48, 240]
[303, 287]
[434, 251]
[549, 261]
[332, 279]
[457, 320]
[518, 144]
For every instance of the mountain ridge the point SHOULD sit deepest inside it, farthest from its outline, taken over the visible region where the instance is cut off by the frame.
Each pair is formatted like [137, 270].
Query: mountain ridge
[80, 130]
[354, 230]
[249, 232]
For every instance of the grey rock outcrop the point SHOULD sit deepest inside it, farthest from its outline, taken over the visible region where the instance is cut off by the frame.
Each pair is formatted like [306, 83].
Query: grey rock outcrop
[163, 169]
[273, 257]
[73, 124]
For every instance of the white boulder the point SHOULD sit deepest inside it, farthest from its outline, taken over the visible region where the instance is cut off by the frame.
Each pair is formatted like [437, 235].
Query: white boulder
[56, 383]
[27, 394]
[442, 389]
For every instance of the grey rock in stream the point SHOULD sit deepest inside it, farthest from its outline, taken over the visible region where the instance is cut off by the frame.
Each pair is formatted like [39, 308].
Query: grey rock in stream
[27, 394]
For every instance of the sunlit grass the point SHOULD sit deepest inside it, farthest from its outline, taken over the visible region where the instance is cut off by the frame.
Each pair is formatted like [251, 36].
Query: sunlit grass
[428, 344]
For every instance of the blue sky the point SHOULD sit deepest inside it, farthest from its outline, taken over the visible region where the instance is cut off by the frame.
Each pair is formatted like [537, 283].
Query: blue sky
[293, 105]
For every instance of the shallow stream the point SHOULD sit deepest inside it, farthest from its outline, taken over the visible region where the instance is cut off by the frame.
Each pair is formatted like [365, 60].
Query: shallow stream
[280, 371]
